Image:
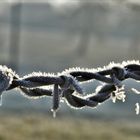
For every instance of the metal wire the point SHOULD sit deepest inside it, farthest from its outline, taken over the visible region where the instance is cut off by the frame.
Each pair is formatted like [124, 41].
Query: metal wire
[67, 85]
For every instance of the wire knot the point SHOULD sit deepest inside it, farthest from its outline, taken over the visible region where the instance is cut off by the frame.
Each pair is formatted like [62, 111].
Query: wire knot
[119, 73]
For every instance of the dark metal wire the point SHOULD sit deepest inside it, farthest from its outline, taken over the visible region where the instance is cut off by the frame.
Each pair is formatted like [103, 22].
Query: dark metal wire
[68, 84]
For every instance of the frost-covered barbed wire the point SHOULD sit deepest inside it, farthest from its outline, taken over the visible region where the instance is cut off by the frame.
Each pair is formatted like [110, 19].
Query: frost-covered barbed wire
[67, 85]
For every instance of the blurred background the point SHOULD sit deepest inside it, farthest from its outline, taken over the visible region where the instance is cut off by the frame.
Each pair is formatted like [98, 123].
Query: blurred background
[53, 35]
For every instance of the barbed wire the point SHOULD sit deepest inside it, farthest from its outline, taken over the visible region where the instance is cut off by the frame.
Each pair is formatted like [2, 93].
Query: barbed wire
[67, 85]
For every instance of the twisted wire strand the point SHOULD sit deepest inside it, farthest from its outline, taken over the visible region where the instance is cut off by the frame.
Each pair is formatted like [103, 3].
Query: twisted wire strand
[68, 84]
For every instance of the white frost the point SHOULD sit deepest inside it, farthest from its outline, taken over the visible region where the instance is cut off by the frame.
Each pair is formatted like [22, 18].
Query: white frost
[119, 94]
[1, 100]
[135, 91]
[137, 109]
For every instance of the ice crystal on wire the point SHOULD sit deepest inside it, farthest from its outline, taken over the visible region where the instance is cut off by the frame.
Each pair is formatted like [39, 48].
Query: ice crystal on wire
[135, 91]
[119, 94]
[98, 88]
[54, 113]
[137, 109]
[37, 74]
[1, 100]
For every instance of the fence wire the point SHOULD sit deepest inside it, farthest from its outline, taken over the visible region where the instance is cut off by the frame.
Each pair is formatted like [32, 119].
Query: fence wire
[67, 85]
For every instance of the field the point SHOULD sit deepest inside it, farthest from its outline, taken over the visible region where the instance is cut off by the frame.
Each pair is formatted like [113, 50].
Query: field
[41, 127]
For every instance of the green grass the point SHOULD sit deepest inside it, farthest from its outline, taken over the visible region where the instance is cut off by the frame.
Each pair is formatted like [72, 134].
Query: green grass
[35, 127]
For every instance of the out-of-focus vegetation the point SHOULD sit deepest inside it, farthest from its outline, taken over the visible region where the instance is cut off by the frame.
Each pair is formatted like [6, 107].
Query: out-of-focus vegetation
[36, 127]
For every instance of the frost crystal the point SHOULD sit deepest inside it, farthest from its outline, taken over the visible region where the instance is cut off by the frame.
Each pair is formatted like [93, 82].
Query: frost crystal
[1, 100]
[135, 91]
[54, 113]
[119, 94]
[137, 109]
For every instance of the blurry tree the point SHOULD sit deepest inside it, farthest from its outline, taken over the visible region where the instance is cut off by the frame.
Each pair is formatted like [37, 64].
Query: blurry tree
[135, 39]
[15, 35]
[86, 27]
[4, 14]
[90, 17]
